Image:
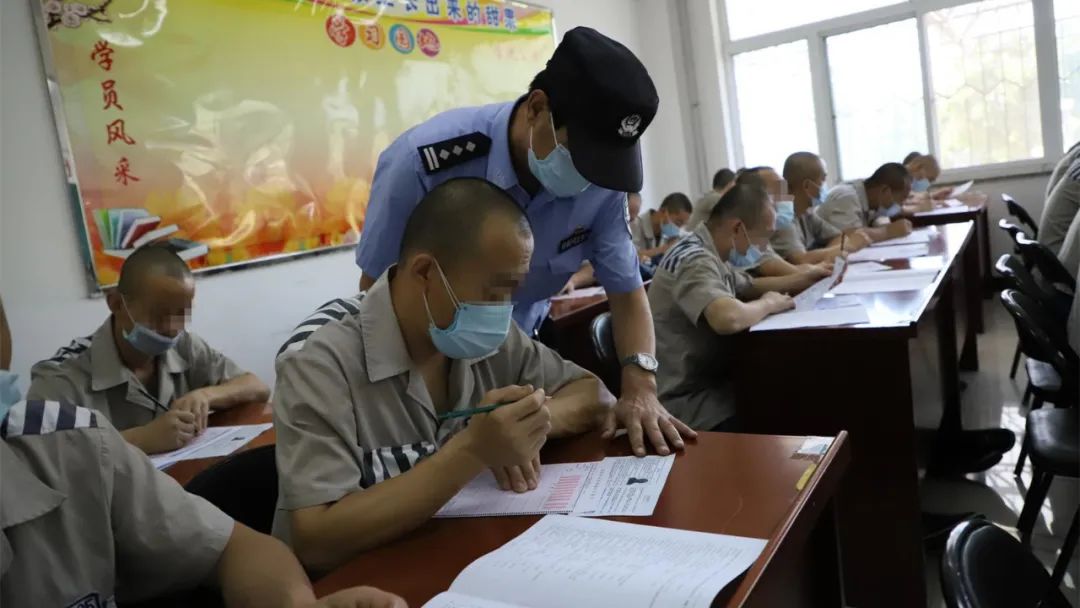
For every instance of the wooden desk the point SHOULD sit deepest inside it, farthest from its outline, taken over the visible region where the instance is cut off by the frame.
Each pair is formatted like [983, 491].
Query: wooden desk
[723, 483]
[979, 265]
[863, 379]
[251, 413]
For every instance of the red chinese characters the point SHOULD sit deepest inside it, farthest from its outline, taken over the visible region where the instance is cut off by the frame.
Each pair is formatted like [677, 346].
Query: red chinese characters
[123, 172]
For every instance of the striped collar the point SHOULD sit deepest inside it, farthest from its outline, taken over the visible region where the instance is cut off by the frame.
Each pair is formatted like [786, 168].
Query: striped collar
[23, 496]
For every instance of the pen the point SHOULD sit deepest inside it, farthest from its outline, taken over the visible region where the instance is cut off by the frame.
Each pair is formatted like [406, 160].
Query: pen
[472, 411]
[843, 236]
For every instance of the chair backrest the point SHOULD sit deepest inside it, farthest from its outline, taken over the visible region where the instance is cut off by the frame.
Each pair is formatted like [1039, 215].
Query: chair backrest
[603, 340]
[1042, 337]
[986, 567]
[1017, 210]
[1010, 228]
[1012, 268]
[244, 486]
[1042, 259]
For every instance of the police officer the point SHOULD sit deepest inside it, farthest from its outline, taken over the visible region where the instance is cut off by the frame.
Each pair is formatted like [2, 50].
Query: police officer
[567, 152]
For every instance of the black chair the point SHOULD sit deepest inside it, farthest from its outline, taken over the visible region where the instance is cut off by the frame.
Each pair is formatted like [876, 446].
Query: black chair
[603, 342]
[1010, 267]
[1038, 256]
[1017, 210]
[1051, 363]
[244, 486]
[985, 567]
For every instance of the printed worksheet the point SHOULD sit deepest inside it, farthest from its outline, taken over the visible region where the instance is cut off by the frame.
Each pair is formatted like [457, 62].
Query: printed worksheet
[624, 485]
[213, 442]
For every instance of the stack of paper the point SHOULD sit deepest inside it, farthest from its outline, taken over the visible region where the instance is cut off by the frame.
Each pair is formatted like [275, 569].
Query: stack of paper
[809, 297]
[568, 561]
[613, 486]
[862, 267]
[892, 280]
[584, 292]
[918, 236]
[794, 319]
[213, 442]
[891, 252]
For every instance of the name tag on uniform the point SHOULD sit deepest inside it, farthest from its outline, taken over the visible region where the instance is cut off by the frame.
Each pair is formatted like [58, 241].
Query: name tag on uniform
[577, 237]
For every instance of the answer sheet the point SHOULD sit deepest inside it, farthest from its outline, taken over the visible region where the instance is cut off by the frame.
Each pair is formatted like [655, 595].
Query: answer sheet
[622, 485]
[864, 267]
[917, 236]
[584, 292]
[880, 282]
[794, 319]
[449, 599]
[808, 298]
[574, 561]
[213, 442]
[871, 254]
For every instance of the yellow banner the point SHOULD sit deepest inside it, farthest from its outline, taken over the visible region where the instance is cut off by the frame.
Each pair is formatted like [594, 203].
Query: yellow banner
[248, 129]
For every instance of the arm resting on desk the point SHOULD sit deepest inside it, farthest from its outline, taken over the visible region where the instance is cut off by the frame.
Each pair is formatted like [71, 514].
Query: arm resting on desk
[579, 407]
[241, 389]
[790, 284]
[326, 535]
[728, 316]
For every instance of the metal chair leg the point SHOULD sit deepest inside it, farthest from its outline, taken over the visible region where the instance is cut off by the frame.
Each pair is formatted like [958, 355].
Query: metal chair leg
[1036, 494]
[1067, 551]
[1027, 394]
[1019, 470]
[1015, 363]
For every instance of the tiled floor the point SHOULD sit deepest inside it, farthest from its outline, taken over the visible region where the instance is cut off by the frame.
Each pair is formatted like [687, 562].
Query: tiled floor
[992, 399]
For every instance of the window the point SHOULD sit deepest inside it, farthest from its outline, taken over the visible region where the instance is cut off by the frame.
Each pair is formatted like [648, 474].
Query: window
[753, 17]
[957, 78]
[1067, 14]
[879, 113]
[982, 65]
[774, 118]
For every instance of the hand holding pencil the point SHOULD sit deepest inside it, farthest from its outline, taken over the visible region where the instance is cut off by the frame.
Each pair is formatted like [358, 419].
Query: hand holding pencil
[512, 433]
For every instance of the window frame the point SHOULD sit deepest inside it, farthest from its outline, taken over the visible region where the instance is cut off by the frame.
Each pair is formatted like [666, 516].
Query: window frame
[815, 35]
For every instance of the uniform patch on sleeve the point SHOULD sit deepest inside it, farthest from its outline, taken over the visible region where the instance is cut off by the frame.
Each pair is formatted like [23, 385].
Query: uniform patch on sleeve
[38, 417]
[448, 153]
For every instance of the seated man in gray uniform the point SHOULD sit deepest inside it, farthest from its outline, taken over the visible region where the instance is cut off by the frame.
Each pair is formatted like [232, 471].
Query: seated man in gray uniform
[699, 291]
[371, 409]
[871, 204]
[152, 379]
[88, 522]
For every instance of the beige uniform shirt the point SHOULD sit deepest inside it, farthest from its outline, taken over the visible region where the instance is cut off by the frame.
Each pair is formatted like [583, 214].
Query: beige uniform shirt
[89, 372]
[1062, 205]
[1061, 167]
[350, 410]
[88, 521]
[847, 206]
[807, 232]
[703, 209]
[641, 232]
[692, 381]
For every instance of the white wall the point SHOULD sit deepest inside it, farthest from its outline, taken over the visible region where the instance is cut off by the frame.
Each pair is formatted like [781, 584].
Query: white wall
[245, 313]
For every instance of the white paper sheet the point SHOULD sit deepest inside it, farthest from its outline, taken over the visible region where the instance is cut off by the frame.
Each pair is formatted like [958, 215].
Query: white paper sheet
[808, 298]
[894, 275]
[584, 292]
[576, 561]
[213, 442]
[794, 319]
[864, 267]
[449, 599]
[814, 446]
[941, 210]
[623, 485]
[830, 301]
[880, 282]
[962, 188]
[871, 254]
[917, 236]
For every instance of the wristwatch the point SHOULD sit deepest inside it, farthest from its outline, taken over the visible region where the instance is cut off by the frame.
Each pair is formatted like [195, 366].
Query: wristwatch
[645, 361]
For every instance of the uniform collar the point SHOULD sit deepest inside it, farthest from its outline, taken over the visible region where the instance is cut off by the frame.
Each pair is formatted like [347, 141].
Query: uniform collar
[108, 370]
[24, 496]
[500, 168]
[646, 223]
[703, 233]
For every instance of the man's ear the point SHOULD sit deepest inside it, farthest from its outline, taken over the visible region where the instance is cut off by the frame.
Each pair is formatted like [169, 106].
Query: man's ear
[536, 104]
[421, 267]
[114, 301]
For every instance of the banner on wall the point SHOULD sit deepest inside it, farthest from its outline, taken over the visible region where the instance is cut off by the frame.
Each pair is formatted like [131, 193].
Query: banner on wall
[240, 130]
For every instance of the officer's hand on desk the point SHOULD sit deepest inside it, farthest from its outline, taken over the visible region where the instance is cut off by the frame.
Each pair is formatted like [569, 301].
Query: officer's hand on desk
[641, 414]
[361, 597]
[169, 431]
[512, 435]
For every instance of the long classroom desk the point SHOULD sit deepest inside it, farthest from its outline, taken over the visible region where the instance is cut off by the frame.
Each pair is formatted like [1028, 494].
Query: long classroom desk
[863, 379]
[980, 251]
[249, 413]
[744, 485]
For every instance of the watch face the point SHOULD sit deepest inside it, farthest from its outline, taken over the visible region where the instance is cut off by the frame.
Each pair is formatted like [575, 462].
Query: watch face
[647, 362]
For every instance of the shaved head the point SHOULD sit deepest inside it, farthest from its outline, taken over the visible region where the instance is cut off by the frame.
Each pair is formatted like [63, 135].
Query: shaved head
[745, 202]
[449, 220]
[803, 165]
[148, 261]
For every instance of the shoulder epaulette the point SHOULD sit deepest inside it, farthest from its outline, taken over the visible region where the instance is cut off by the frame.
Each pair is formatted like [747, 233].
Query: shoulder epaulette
[37, 417]
[448, 153]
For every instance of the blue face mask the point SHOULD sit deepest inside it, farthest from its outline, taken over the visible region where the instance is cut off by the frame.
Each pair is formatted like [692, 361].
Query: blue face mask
[9, 391]
[823, 194]
[744, 260]
[891, 211]
[556, 173]
[785, 214]
[920, 185]
[669, 230]
[146, 340]
[477, 329]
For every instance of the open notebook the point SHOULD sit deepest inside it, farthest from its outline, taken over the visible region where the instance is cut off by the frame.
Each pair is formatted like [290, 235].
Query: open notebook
[571, 561]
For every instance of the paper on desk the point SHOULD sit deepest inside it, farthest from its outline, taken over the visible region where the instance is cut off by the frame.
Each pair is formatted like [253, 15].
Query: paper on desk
[449, 599]
[794, 319]
[864, 267]
[891, 252]
[213, 442]
[917, 236]
[575, 561]
[814, 446]
[878, 282]
[940, 210]
[808, 298]
[952, 202]
[831, 301]
[584, 292]
[624, 485]
[962, 188]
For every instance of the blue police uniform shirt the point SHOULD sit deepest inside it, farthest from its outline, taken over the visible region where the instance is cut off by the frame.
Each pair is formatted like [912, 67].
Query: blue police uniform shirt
[566, 231]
